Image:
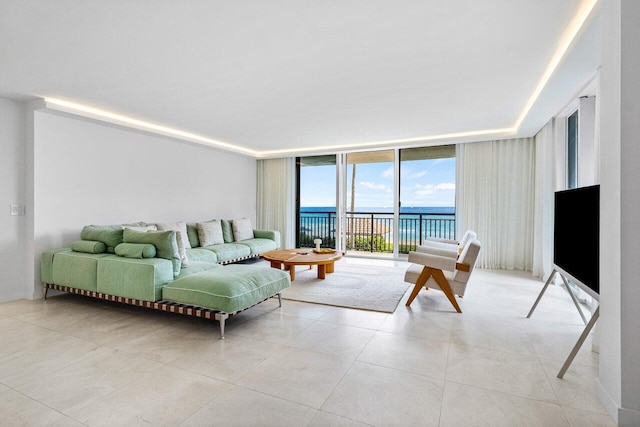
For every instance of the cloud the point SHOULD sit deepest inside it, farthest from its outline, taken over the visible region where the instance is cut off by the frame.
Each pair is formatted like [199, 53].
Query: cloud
[373, 186]
[407, 172]
[387, 173]
[429, 189]
[446, 159]
[446, 186]
[417, 175]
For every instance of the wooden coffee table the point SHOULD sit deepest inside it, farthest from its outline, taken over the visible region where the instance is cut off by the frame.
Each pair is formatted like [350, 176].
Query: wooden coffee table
[292, 257]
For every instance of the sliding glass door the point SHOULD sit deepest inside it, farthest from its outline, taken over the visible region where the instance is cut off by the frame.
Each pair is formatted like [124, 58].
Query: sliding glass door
[370, 200]
[377, 203]
[427, 195]
[316, 201]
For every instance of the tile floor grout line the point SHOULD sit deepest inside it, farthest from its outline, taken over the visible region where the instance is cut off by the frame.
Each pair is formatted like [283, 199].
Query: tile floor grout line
[50, 407]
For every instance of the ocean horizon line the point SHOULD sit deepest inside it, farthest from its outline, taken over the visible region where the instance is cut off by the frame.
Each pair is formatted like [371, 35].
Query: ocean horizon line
[403, 209]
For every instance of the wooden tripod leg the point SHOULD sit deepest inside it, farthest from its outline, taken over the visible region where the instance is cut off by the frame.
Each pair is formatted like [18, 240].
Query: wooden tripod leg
[438, 275]
[422, 279]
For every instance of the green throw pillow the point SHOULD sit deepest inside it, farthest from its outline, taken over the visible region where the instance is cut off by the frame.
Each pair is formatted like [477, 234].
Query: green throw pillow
[89, 246]
[165, 242]
[136, 250]
[110, 235]
[192, 234]
[227, 231]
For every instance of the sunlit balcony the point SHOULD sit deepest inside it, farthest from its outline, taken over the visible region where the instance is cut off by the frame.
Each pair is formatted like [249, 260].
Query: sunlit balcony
[373, 232]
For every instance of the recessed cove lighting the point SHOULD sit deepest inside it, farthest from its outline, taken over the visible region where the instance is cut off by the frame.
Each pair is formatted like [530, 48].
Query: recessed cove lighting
[565, 43]
[504, 131]
[86, 111]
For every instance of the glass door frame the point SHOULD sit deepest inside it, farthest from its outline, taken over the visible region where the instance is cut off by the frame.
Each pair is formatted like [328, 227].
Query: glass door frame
[341, 202]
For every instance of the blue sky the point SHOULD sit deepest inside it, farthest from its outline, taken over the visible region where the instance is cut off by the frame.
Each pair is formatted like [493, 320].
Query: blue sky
[423, 183]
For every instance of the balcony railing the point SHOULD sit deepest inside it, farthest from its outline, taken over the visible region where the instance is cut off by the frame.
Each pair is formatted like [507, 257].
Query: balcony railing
[373, 231]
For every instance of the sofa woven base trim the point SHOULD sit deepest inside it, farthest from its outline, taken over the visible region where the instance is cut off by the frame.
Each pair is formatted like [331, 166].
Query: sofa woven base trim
[163, 305]
[231, 261]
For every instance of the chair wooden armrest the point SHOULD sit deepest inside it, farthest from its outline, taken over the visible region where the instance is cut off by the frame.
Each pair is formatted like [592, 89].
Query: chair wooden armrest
[462, 266]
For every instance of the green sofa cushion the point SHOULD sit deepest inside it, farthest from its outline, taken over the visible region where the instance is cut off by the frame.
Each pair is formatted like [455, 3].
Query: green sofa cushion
[201, 254]
[268, 234]
[89, 246]
[259, 246]
[165, 242]
[230, 251]
[141, 279]
[136, 250]
[46, 264]
[227, 230]
[77, 269]
[192, 234]
[229, 288]
[197, 267]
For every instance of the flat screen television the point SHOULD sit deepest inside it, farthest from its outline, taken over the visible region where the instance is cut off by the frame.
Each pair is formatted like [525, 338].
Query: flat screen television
[576, 237]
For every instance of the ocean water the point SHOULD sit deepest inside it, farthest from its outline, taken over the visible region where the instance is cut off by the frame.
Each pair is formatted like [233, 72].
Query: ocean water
[415, 223]
[433, 210]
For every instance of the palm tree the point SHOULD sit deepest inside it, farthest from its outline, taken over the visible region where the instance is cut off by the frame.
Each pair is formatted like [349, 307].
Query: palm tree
[353, 201]
[353, 189]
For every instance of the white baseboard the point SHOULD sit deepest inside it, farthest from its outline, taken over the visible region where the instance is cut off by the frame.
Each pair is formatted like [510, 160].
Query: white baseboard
[624, 417]
[628, 417]
[609, 404]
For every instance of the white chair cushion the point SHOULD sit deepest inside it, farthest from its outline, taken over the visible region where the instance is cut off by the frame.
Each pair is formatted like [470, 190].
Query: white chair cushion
[436, 261]
[437, 248]
[469, 256]
[468, 235]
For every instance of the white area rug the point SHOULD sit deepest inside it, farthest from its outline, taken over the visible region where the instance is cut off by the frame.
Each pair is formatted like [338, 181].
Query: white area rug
[367, 287]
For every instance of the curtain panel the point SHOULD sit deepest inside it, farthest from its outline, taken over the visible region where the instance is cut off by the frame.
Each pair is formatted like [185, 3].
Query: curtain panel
[495, 197]
[546, 173]
[276, 198]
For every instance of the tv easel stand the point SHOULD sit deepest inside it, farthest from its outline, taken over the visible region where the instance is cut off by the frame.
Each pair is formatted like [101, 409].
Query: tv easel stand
[587, 329]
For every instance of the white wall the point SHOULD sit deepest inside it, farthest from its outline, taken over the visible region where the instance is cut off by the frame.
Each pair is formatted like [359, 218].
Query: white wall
[618, 383]
[86, 172]
[12, 191]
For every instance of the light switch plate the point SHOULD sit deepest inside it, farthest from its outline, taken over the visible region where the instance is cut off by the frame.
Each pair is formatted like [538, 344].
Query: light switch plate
[17, 210]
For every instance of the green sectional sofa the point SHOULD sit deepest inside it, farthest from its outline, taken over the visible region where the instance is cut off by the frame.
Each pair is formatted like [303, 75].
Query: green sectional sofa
[165, 267]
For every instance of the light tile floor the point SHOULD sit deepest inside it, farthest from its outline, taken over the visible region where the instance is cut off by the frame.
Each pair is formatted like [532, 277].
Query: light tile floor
[73, 361]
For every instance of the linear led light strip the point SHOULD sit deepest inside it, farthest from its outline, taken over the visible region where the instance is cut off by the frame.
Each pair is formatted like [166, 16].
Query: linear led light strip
[568, 38]
[91, 112]
[566, 41]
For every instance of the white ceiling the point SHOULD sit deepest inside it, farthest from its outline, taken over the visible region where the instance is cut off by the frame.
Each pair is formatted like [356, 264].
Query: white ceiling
[301, 75]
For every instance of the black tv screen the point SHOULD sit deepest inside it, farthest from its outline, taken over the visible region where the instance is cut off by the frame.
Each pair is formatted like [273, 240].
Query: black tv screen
[576, 237]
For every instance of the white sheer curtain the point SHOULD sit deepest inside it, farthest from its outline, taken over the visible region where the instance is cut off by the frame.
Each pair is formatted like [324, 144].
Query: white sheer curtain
[495, 198]
[546, 181]
[276, 198]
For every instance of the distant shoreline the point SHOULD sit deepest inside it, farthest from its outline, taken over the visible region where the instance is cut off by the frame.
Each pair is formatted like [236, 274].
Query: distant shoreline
[434, 210]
